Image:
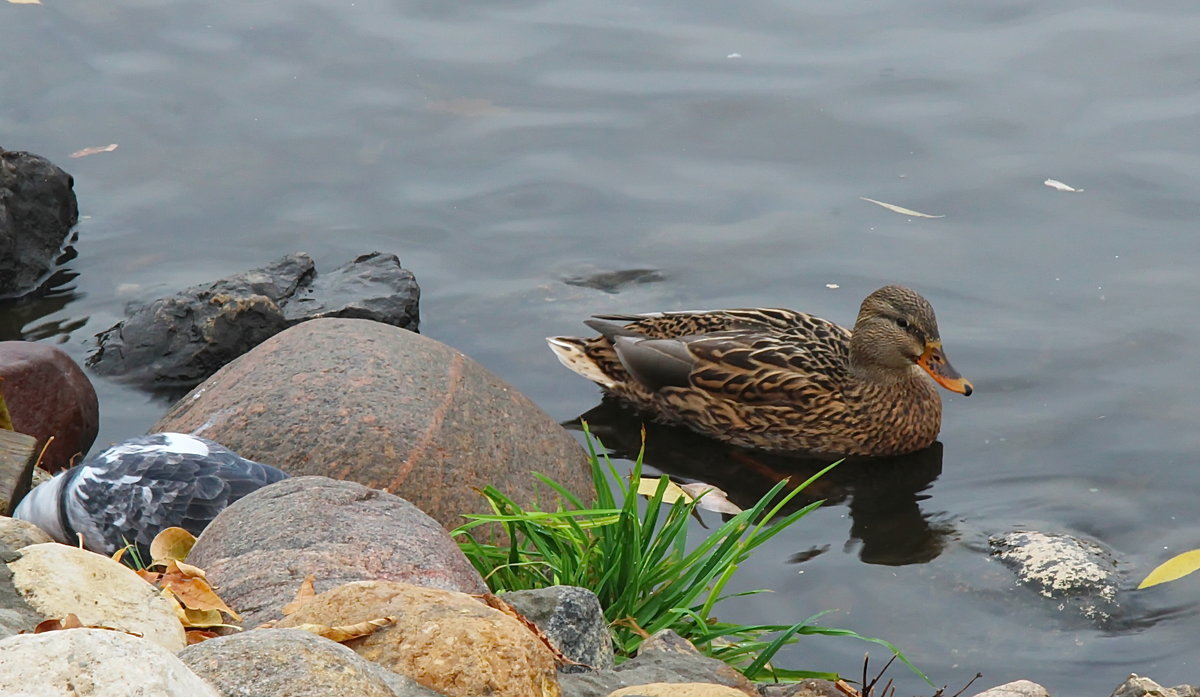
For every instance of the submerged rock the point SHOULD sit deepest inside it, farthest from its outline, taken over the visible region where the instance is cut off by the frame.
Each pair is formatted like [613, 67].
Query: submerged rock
[295, 663]
[260, 549]
[1079, 574]
[387, 408]
[447, 641]
[37, 210]
[48, 394]
[184, 338]
[96, 663]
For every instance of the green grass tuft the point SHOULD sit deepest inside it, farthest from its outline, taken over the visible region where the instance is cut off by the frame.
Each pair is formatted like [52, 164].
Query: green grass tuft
[635, 556]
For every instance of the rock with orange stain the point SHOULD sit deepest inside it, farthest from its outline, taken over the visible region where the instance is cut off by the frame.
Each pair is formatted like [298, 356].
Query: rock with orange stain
[365, 401]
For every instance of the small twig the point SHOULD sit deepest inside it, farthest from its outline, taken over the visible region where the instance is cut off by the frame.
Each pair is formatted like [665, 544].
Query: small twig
[964, 689]
[871, 686]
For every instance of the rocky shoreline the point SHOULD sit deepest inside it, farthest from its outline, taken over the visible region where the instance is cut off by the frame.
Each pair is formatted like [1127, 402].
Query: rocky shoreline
[386, 434]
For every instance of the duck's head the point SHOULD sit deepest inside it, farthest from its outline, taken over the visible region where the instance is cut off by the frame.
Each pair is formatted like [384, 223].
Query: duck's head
[896, 329]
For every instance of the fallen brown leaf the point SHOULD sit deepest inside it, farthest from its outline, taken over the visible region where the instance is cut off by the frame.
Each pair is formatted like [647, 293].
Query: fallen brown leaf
[95, 150]
[172, 543]
[192, 592]
[306, 591]
[349, 631]
[195, 636]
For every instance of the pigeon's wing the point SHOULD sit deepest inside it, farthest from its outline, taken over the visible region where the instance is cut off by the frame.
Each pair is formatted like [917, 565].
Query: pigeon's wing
[129, 493]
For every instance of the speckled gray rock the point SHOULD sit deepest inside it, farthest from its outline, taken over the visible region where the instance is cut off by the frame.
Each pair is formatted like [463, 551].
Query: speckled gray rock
[15, 614]
[95, 663]
[57, 580]
[664, 657]
[293, 663]
[37, 210]
[804, 688]
[367, 402]
[1080, 574]
[16, 534]
[572, 618]
[1137, 686]
[1017, 688]
[260, 549]
[181, 339]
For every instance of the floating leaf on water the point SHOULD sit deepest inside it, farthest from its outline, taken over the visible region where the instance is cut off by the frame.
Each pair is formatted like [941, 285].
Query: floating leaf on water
[95, 150]
[1174, 568]
[172, 543]
[306, 591]
[710, 498]
[1056, 184]
[900, 209]
[25, 2]
[832, 286]
[707, 496]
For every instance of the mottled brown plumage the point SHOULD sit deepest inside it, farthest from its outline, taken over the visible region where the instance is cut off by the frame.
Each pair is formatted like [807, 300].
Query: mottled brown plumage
[779, 379]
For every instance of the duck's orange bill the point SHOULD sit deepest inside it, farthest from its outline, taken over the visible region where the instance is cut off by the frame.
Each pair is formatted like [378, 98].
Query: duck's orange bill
[935, 363]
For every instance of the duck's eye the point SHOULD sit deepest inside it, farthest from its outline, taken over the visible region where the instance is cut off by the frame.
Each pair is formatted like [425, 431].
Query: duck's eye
[902, 323]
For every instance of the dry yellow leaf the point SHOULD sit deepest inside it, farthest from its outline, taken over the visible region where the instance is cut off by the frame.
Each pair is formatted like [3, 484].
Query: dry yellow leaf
[350, 631]
[172, 543]
[900, 209]
[1174, 568]
[192, 592]
[710, 497]
[92, 150]
[305, 592]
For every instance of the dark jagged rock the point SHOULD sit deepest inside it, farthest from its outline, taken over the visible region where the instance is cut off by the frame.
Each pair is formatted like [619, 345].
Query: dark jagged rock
[570, 617]
[37, 210]
[180, 340]
[49, 395]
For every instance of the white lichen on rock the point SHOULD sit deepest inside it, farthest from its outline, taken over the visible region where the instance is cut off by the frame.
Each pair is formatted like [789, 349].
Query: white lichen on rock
[1062, 567]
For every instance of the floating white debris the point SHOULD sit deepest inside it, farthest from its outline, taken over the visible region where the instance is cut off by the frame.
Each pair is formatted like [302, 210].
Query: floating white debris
[734, 55]
[900, 209]
[1056, 184]
[832, 286]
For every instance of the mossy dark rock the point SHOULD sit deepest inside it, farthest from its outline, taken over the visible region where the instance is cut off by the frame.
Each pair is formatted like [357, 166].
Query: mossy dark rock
[368, 402]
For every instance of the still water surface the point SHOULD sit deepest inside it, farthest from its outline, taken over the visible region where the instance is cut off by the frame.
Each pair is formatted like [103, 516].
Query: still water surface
[510, 151]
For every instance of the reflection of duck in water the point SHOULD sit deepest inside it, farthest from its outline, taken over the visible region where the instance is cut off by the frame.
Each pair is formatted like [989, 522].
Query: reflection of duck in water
[777, 379]
[882, 494]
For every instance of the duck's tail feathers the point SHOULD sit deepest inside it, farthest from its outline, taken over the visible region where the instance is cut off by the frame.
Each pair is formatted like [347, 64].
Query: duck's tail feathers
[571, 353]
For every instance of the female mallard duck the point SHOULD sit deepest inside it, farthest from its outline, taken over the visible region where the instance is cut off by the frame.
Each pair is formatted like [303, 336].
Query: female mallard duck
[779, 379]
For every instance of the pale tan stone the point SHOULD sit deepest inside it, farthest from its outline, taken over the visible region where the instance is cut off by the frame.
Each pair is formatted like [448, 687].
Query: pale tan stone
[57, 580]
[445, 640]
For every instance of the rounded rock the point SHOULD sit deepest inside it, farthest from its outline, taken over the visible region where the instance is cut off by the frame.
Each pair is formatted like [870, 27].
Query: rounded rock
[57, 580]
[48, 394]
[94, 662]
[367, 402]
[295, 663]
[259, 550]
[444, 640]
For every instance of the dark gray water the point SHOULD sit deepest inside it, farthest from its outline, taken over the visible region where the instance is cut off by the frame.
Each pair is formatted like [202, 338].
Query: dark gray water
[503, 148]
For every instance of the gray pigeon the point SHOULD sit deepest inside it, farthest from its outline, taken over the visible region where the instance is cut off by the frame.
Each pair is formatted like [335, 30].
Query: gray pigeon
[131, 491]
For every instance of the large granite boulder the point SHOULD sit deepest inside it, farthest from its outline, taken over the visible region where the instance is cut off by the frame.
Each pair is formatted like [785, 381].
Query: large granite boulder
[446, 641]
[182, 339]
[49, 395]
[259, 550]
[391, 409]
[293, 663]
[96, 663]
[37, 210]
